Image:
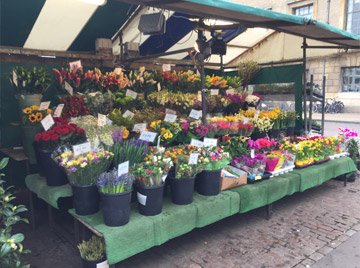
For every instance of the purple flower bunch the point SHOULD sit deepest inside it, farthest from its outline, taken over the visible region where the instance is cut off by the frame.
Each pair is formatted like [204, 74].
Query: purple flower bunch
[111, 183]
[117, 135]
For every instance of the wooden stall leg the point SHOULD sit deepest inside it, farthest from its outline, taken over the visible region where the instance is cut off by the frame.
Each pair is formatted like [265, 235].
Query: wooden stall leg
[76, 231]
[269, 211]
[50, 217]
[31, 210]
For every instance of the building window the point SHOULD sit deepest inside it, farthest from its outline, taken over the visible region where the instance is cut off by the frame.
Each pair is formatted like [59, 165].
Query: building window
[351, 79]
[353, 16]
[304, 11]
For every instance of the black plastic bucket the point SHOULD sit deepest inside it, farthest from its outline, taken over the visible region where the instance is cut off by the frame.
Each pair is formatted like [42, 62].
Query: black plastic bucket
[116, 208]
[208, 182]
[182, 190]
[150, 200]
[86, 199]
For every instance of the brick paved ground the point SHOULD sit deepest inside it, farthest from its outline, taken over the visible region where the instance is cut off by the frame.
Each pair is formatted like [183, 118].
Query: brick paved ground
[304, 228]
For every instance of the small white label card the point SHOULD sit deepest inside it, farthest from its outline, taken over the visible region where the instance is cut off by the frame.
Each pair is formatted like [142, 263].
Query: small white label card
[82, 148]
[101, 120]
[47, 122]
[208, 142]
[24, 83]
[141, 198]
[230, 91]
[103, 264]
[252, 153]
[163, 178]
[246, 120]
[250, 91]
[123, 168]
[199, 96]
[15, 78]
[108, 121]
[118, 70]
[58, 110]
[297, 146]
[148, 136]
[251, 108]
[44, 105]
[166, 67]
[139, 127]
[195, 142]
[195, 114]
[171, 118]
[128, 114]
[69, 88]
[159, 86]
[256, 114]
[75, 65]
[169, 111]
[131, 93]
[193, 158]
[214, 92]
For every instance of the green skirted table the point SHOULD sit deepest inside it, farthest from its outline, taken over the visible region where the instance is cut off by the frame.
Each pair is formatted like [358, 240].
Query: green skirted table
[50, 194]
[143, 232]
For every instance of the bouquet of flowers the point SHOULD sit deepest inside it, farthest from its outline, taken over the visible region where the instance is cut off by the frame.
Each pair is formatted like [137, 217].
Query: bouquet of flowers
[111, 183]
[213, 158]
[174, 152]
[31, 116]
[29, 81]
[84, 169]
[253, 166]
[237, 146]
[168, 131]
[252, 100]
[98, 102]
[184, 170]
[262, 124]
[73, 107]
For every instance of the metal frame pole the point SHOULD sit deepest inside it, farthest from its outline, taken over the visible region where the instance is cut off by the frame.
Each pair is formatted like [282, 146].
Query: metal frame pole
[323, 106]
[311, 101]
[202, 74]
[304, 83]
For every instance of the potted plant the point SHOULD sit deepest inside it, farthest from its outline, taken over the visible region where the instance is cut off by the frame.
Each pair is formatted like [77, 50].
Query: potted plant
[254, 167]
[92, 252]
[30, 126]
[213, 159]
[182, 184]
[290, 122]
[83, 171]
[133, 150]
[29, 85]
[150, 180]
[115, 193]
[261, 127]
[62, 133]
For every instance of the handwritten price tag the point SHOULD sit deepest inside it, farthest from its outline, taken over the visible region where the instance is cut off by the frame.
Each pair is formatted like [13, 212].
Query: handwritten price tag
[166, 67]
[141, 198]
[15, 78]
[58, 110]
[195, 142]
[44, 105]
[214, 92]
[250, 92]
[69, 88]
[256, 114]
[75, 65]
[193, 158]
[139, 127]
[82, 148]
[210, 142]
[128, 114]
[169, 111]
[123, 168]
[195, 114]
[230, 91]
[252, 153]
[101, 120]
[47, 122]
[118, 71]
[171, 118]
[147, 136]
[131, 93]
[246, 120]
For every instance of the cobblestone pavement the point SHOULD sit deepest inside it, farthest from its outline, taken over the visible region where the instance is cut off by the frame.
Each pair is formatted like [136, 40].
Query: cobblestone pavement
[304, 228]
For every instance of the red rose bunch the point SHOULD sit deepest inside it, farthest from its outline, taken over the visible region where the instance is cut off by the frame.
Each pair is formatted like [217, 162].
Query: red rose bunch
[62, 133]
[73, 106]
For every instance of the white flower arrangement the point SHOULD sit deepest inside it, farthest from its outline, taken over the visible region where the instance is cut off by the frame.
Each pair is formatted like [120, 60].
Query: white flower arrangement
[252, 99]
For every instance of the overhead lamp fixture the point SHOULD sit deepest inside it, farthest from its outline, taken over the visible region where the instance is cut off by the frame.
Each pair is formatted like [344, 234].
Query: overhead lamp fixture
[218, 46]
[95, 2]
[200, 45]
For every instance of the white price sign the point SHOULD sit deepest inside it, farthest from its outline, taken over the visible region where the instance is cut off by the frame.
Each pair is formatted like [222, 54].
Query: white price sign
[123, 168]
[250, 92]
[75, 65]
[108, 121]
[166, 67]
[199, 96]
[139, 127]
[193, 158]
[230, 91]
[195, 114]
[15, 78]
[171, 118]
[195, 142]
[251, 108]
[214, 92]
[256, 114]
[128, 114]
[103, 264]
[148, 136]
[118, 71]
[101, 120]
[169, 111]
[141, 198]
[44, 105]
[131, 93]
[69, 88]
[58, 110]
[82, 148]
[246, 120]
[252, 153]
[47, 122]
[210, 142]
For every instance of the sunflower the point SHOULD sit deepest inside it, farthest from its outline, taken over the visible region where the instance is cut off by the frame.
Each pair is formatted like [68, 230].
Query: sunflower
[27, 110]
[39, 116]
[34, 107]
[48, 111]
[32, 118]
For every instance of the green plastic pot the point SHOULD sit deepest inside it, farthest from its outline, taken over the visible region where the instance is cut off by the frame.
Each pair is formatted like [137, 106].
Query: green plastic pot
[28, 134]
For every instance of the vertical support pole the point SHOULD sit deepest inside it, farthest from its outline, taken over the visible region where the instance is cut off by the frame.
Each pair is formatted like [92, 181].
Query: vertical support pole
[304, 83]
[269, 211]
[311, 101]
[323, 106]
[222, 65]
[202, 74]
[121, 47]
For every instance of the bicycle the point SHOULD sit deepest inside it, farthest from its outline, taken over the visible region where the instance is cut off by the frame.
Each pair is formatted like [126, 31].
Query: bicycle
[334, 106]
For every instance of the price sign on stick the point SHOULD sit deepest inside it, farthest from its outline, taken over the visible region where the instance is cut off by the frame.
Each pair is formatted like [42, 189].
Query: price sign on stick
[128, 114]
[210, 142]
[82, 148]
[256, 114]
[230, 91]
[118, 70]
[131, 93]
[75, 65]
[69, 88]
[123, 168]
[58, 110]
[47, 122]
[166, 67]
[246, 120]
[15, 78]
[195, 114]
[169, 111]
[44, 105]
[101, 120]
[193, 158]
[171, 118]
[214, 92]
[195, 142]
[139, 127]
[252, 153]
[148, 136]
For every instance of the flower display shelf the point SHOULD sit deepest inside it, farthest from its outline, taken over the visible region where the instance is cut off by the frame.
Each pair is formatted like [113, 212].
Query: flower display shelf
[304, 166]
[282, 171]
[335, 156]
[318, 162]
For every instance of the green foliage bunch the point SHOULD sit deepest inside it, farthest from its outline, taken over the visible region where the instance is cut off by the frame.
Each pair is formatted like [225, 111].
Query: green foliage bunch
[93, 249]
